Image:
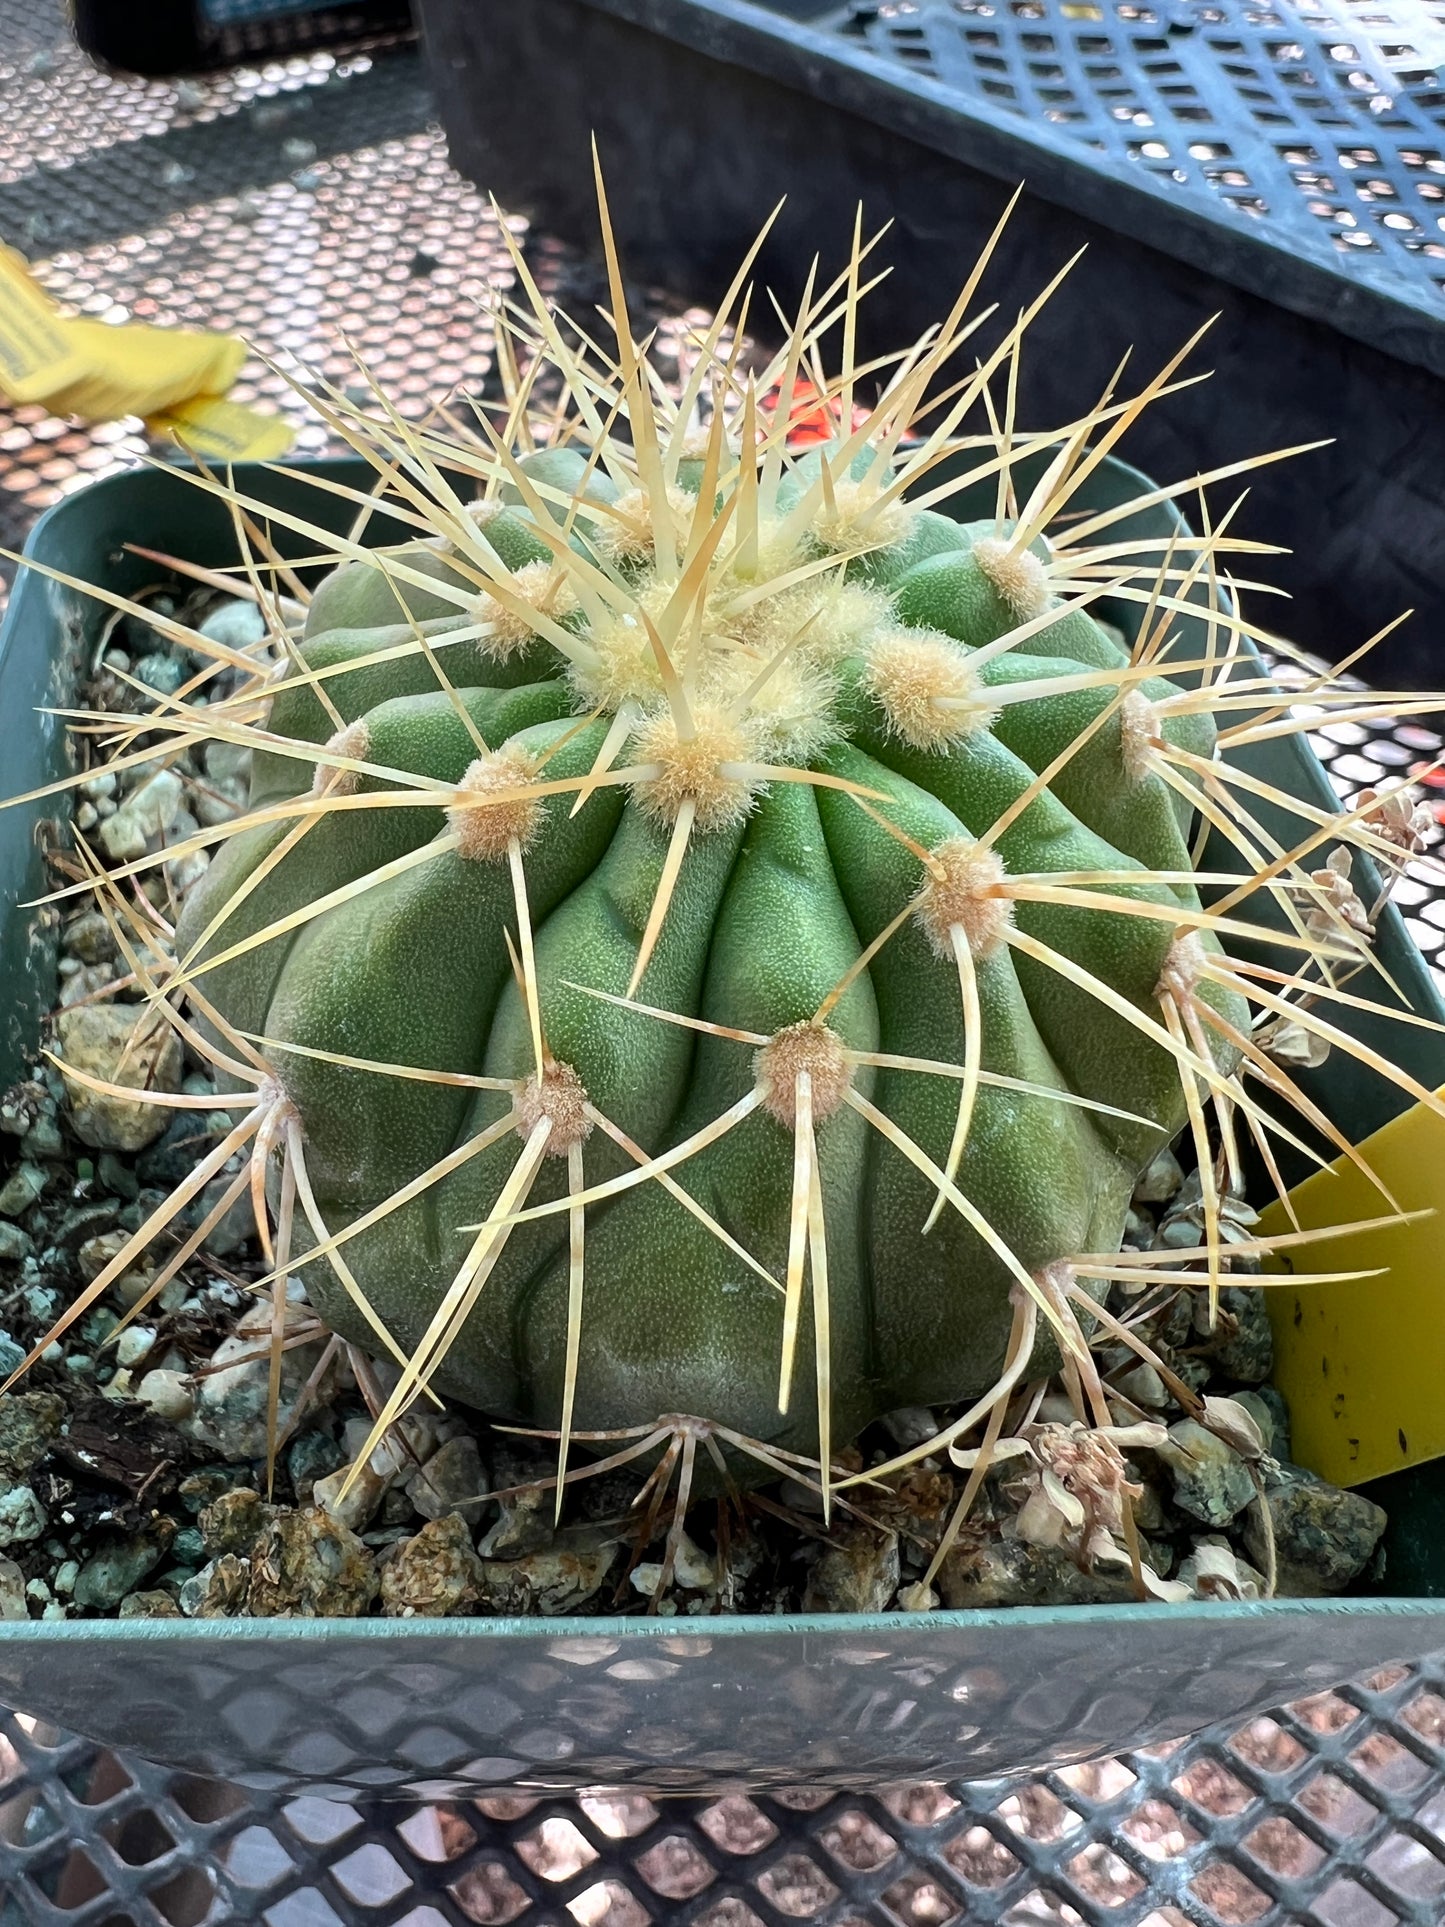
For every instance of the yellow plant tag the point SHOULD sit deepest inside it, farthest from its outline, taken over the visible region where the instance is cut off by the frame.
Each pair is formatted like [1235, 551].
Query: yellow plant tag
[223, 431]
[37, 358]
[174, 377]
[1362, 1363]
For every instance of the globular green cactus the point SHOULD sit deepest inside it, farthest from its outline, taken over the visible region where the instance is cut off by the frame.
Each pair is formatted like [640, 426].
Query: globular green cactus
[768, 1060]
[715, 938]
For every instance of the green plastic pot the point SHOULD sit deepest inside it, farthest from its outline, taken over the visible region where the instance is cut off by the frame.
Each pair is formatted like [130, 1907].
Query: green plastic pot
[346, 1707]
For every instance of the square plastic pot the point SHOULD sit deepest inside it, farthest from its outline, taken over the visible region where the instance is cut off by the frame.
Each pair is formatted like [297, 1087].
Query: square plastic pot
[347, 1707]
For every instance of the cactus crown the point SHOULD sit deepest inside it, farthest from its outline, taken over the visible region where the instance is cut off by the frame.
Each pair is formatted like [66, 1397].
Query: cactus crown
[694, 858]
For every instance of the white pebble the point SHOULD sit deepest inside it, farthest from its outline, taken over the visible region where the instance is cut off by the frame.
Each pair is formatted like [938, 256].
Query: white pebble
[134, 1344]
[168, 1395]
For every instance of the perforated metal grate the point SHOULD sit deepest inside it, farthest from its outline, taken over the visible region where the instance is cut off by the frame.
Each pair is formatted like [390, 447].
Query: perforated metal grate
[1321, 125]
[1330, 1813]
[187, 205]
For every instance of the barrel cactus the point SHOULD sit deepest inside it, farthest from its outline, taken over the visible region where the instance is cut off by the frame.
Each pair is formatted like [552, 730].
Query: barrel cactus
[715, 938]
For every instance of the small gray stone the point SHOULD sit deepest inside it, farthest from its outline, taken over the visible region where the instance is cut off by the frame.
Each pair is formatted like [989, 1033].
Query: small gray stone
[22, 1105]
[84, 984]
[306, 1566]
[436, 1573]
[1209, 1481]
[232, 1399]
[910, 1425]
[189, 1546]
[692, 1571]
[90, 938]
[1161, 1180]
[1274, 1403]
[236, 624]
[183, 873]
[556, 1580]
[1138, 1229]
[23, 1186]
[12, 1356]
[234, 1521]
[119, 1045]
[310, 1458]
[1323, 1536]
[397, 1513]
[452, 1480]
[1144, 1387]
[98, 1325]
[119, 1179]
[353, 1494]
[148, 1605]
[43, 1139]
[118, 1568]
[217, 1591]
[12, 1591]
[30, 1423]
[525, 1525]
[1264, 1415]
[235, 1226]
[1241, 1348]
[141, 822]
[22, 1517]
[15, 1245]
[985, 1570]
[135, 1344]
[858, 1575]
[170, 1395]
[1151, 1514]
[161, 671]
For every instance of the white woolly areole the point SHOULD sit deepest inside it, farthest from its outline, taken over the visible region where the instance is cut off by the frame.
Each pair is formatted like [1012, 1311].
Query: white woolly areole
[790, 719]
[810, 1047]
[856, 522]
[822, 621]
[1139, 729]
[484, 512]
[560, 1096]
[484, 832]
[962, 890]
[691, 769]
[1019, 578]
[1183, 969]
[621, 667]
[627, 531]
[923, 683]
[543, 588]
[353, 741]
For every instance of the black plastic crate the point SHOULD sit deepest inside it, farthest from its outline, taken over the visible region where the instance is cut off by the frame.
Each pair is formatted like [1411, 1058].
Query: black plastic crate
[184, 36]
[1280, 167]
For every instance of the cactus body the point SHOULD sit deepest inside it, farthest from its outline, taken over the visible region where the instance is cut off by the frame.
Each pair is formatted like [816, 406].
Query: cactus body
[846, 757]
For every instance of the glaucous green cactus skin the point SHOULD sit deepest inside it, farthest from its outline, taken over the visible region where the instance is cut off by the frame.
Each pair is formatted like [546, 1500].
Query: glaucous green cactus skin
[841, 849]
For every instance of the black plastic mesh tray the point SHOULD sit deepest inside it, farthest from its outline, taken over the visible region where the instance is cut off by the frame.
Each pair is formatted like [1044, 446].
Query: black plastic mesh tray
[1278, 167]
[1308, 137]
[184, 36]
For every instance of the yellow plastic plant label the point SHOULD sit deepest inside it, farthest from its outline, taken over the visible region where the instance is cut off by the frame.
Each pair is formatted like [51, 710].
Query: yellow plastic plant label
[175, 377]
[37, 358]
[1362, 1362]
[218, 430]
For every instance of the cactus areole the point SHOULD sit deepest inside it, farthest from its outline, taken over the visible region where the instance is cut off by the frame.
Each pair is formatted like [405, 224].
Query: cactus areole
[722, 932]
